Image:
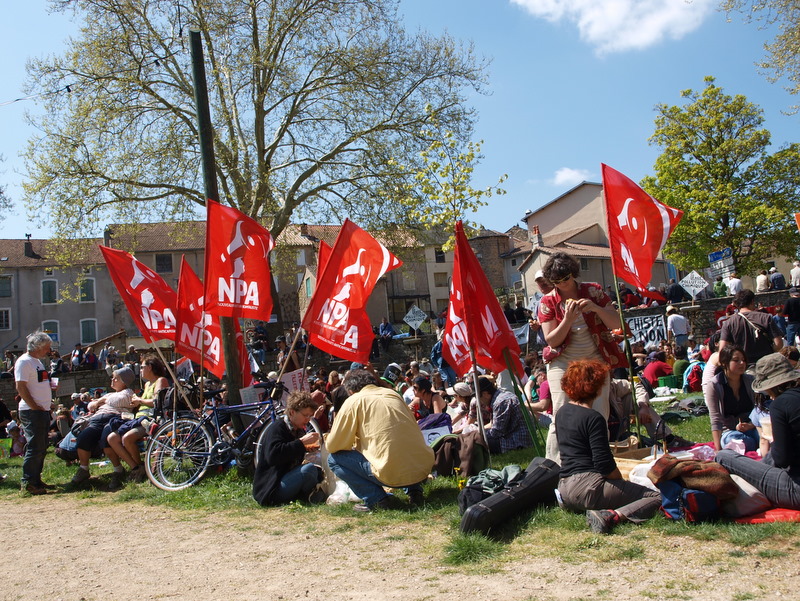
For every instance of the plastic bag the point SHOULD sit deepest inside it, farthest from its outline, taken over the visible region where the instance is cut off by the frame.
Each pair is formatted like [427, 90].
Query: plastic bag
[737, 445]
[342, 494]
[703, 453]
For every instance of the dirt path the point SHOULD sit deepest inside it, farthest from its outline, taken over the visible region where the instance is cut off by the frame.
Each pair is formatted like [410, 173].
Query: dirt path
[81, 550]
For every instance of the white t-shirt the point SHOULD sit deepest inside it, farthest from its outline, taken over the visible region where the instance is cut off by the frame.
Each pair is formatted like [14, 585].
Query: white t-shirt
[678, 325]
[30, 370]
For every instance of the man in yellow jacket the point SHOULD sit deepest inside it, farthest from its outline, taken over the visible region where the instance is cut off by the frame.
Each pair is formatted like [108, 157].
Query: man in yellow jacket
[375, 442]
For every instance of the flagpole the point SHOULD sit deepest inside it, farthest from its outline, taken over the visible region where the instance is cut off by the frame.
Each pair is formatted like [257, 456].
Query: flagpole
[175, 380]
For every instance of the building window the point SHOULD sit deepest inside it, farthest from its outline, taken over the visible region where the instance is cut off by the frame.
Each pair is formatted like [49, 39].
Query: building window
[5, 319]
[88, 331]
[51, 328]
[308, 288]
[49, 292]
[584, 264]
[439, 253]
[87, 290]
[163, 263]
[5, 286]
[513, 262]
[409, 281]
[48, 271]
[440, 280]
[301, 257]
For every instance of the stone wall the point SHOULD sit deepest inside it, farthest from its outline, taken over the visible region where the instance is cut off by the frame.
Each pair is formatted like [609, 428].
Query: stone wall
[701, 313]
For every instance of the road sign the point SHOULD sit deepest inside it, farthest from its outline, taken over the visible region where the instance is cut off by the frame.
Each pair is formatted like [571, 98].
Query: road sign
[415, 317]
[693, 283]
[719, 255]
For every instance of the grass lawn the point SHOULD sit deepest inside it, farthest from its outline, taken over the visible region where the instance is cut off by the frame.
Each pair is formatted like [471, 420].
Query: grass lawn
[544, 531]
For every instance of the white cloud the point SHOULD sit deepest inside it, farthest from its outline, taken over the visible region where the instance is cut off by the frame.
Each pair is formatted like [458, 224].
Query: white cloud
[620, 25]
[566, 176]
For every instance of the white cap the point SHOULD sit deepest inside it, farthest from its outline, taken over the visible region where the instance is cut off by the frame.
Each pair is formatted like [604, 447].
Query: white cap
[538, 274]
[771, 269]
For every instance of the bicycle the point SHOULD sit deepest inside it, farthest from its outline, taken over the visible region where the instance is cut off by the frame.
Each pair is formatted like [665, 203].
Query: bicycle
[180, 452]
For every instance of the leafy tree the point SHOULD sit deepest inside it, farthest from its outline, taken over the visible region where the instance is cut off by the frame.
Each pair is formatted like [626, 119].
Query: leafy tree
[716, 167]
[783, 53]
[310, 100]
[441, 193]
[5, 201]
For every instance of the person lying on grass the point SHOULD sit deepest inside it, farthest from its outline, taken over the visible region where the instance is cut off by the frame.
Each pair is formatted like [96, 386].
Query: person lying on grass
[590, 480]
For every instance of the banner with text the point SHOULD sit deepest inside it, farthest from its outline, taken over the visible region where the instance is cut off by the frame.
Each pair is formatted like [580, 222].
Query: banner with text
[650, 329]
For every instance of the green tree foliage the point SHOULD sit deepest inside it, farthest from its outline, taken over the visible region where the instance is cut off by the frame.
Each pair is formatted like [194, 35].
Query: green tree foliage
[440, 193]
[717, 168]
[310, 100]
[5, 201]
[783, 53]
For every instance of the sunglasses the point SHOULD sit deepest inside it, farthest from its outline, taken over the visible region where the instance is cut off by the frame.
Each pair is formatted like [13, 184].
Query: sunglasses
[561, 280]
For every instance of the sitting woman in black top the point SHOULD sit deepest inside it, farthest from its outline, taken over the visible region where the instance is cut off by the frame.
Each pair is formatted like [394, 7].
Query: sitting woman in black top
[590, 479]
[281, 475]
[778, 474]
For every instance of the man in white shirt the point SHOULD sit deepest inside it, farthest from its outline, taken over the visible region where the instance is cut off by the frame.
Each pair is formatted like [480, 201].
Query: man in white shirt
[677, 326]
[33, 385]
[734, 284]
[794, 274]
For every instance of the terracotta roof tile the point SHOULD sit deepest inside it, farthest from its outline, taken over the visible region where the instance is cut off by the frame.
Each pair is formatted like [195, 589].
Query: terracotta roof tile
[12, 253]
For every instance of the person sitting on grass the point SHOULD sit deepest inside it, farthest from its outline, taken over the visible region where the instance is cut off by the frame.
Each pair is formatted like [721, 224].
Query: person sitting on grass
[281, 475]
[96, 432]
[590, 480]
[778, 474]
[124, 441]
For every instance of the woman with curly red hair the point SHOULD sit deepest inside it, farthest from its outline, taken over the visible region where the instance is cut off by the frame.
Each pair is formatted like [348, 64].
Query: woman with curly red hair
[590, 480]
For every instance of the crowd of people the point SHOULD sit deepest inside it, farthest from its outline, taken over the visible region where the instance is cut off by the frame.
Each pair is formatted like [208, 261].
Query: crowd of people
[575, 385]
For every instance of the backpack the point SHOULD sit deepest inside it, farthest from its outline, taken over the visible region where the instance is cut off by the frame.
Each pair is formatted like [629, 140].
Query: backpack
[168, 399]
[487, 483]
[688, 504]
[694, 379]
[467, 452]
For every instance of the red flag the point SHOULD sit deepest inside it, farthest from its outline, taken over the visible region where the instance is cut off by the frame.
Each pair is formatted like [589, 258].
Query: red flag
[149, 299]
[237, 273]
[197, 330]
[797, 220]
[474, 317]
[323, 253]
[638, 228]
[336, 318]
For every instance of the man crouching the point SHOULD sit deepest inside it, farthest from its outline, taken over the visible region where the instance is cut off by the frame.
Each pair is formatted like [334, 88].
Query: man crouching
[375, 442]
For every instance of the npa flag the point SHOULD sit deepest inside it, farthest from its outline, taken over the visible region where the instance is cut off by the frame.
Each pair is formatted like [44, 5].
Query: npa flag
[199, 336]
[797, 220]
[237, 276]
[149, 299]
[638, 228]
[474, 317]
[323, 253]
[336, 319]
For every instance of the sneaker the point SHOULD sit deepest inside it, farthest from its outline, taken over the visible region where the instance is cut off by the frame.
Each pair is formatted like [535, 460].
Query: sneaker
[601, 521]
[116, 481]
[137, 474]
[387, 502]
[34, 489]
[81, 475]
[416, 498]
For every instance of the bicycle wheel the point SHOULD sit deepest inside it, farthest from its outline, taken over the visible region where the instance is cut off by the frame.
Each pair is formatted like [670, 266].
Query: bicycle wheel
[177, 457]
[261, 441]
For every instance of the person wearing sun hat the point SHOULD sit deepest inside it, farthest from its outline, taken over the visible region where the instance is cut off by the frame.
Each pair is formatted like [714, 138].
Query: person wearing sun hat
[778, 474]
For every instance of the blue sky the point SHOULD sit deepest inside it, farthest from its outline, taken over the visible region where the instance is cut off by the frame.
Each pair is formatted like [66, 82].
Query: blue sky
[573, 83]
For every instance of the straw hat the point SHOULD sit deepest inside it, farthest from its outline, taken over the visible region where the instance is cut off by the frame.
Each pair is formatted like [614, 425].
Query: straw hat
[773, 370]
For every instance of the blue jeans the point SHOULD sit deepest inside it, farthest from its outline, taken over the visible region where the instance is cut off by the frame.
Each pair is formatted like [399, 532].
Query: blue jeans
[355, 470]
[35, 425]
[298, 483]
[750, 438]
[792, 328]
[774, 482]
